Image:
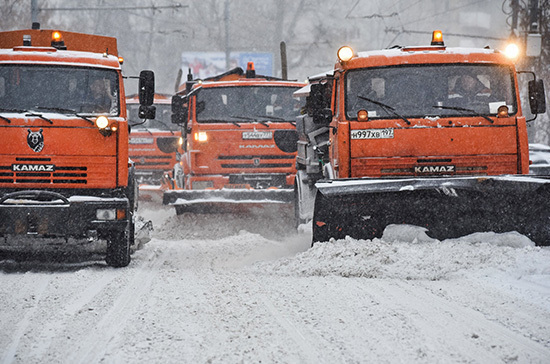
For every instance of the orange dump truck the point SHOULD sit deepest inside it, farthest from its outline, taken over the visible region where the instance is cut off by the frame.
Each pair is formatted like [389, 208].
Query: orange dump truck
[65, 177]
[239, 141]
[430, 136]
[153, 144]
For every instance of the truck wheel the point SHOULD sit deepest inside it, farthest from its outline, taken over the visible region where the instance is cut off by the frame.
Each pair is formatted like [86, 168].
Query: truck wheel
[118, 249]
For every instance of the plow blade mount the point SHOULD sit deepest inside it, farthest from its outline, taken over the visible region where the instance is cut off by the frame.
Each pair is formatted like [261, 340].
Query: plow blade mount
[448, 207]
[225, 200]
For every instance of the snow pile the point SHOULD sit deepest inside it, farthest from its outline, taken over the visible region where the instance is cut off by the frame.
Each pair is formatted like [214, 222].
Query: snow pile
[272, 224]
[408, 253]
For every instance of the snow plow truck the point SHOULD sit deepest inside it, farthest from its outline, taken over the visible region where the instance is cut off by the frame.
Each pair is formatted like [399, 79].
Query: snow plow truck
[66, 182]
[430, 136]
[238, 144]
[153, 144]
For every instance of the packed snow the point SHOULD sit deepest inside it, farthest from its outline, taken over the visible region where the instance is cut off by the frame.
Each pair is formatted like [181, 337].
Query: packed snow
[249, 288]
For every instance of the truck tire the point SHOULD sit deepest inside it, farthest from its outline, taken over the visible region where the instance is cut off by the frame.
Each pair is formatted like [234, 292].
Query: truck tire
[118, 249]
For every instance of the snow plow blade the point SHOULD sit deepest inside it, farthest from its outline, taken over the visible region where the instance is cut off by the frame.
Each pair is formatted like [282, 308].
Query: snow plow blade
[151, 193]
[448, 207]
[225, 199]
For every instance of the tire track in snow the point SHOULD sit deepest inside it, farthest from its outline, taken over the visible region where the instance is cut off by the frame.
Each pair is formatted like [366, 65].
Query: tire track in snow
[92, 349]
[437, 316]
[55, 325]
[10, 353]
[307, 349]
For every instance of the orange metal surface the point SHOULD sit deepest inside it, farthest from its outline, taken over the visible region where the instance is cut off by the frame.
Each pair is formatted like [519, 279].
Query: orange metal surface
[80, 156]
[471, 142]
[226, 154]
[73, 41]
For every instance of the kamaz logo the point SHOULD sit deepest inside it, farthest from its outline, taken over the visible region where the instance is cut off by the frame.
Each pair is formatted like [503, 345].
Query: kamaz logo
[257, 146]
[33, 167]
[434, 169]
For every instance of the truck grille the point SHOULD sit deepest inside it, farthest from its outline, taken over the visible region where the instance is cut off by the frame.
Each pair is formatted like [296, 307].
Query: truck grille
[153, 160]
[61, 175]
[257, 161]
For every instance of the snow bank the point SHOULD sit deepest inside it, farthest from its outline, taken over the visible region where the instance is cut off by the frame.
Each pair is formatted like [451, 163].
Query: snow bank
[408, 253]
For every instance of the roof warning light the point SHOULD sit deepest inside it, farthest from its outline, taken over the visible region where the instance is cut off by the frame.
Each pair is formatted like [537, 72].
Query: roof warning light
[437, 38]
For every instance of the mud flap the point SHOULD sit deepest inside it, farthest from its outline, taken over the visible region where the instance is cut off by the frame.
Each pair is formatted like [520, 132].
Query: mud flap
[446, 207]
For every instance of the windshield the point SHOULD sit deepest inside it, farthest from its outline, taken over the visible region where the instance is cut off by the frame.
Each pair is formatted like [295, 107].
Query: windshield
[162, 120]
[88, 91]
[247, 104]
[429, 91]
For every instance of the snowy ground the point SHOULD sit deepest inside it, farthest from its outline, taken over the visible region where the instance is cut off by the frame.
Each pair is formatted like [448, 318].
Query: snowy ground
[249, 289]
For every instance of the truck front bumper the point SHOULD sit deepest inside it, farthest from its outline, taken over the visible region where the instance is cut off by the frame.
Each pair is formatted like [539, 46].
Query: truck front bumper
[42, 214]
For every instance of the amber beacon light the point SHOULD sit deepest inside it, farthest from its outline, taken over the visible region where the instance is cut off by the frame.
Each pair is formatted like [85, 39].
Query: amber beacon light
[437, 38]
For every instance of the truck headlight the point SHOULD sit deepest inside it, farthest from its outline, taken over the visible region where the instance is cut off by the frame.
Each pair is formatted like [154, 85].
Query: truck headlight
[106, 214]
[102, 122]
[201, 136]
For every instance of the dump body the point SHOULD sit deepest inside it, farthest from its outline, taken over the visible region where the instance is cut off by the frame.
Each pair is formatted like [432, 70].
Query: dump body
[449, 117]
[64, 167]
[152, 145]
[239, 144]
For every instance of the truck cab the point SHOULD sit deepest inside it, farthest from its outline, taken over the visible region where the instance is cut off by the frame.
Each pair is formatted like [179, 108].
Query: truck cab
[64, 170]
[238, 139]
[423, 135]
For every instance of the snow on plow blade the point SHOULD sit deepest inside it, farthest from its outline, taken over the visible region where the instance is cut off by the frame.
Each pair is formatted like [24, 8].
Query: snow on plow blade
[448, 207]
[225, 199]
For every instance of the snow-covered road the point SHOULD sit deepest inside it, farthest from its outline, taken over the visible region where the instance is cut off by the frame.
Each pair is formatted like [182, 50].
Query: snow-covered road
[249, 289]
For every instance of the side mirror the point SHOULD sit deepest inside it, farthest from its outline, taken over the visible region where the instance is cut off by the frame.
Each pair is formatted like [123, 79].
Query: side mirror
[179, 109]
[147, 112]
[537, 98]
[318, 103]
[322, 116]
[146, 88]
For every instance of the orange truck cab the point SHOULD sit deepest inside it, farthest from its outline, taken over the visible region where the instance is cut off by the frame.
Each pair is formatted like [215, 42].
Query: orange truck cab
[431, 136]
[65, 176]
[153, 143]
[239, 141]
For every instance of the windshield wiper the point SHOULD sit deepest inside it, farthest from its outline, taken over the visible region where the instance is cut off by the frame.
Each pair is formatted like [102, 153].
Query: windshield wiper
[385, 107]
[276, 118]
[18, 111]
[220, 120]
[472, 112]
[61, 110]
[166, 125]
[30, 113]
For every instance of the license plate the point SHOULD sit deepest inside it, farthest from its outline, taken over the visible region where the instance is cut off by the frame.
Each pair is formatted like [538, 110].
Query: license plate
[257, 135]
[141, 140]
[372, 134]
